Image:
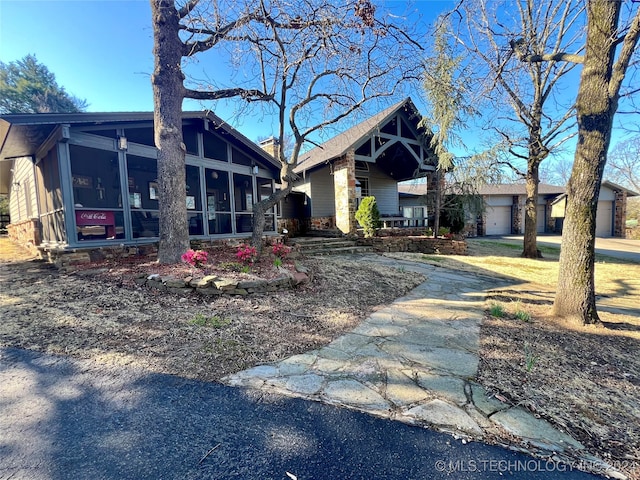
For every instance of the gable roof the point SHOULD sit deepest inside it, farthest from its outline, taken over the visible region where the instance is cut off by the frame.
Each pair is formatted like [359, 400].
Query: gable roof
[340, 144]
[615, 186]
[413, 188]
[22, 134]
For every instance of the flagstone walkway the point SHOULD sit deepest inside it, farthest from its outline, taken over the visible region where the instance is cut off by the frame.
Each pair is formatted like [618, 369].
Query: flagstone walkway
[414, 361]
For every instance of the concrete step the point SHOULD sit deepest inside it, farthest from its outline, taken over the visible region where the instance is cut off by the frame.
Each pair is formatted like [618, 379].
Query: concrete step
[337, 251]
[324, 245]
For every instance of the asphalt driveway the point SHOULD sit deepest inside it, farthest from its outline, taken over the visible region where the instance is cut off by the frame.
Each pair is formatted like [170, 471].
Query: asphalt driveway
[621, 248]
[75, 419]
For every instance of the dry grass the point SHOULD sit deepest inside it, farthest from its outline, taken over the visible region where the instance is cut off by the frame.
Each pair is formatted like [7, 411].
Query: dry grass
[583, 379]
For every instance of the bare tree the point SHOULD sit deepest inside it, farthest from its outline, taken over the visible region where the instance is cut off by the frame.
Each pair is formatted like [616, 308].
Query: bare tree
[499, 35]
[623, 164]
[314, 62]
[446, 89]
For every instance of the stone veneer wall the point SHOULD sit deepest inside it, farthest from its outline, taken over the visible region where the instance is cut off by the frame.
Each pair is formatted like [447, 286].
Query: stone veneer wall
[418, 244]
[25, 233]
[344, 178]
[620, 220]
[294, 226]
[322, 223]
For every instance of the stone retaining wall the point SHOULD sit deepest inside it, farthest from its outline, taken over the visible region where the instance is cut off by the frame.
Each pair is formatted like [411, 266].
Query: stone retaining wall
[419, 244]
[213, 285]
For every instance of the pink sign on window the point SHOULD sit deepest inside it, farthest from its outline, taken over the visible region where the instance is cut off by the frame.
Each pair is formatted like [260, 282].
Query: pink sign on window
[94, 217]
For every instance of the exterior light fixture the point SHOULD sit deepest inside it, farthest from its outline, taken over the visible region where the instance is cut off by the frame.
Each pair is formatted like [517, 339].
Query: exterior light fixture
[122, 143]
[254, 169]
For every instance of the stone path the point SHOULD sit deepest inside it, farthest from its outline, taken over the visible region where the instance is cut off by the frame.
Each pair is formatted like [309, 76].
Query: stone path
[414, 361]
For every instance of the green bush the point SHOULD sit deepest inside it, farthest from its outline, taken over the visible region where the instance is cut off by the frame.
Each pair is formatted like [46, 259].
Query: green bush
[368, 216]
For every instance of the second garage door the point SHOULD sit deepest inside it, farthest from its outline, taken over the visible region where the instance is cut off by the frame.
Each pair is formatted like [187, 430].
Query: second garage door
[498, 220]
[604, 219]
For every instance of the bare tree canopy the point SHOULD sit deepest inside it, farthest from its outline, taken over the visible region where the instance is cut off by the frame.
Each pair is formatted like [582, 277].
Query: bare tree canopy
[313, 63]
[623, 163]
[520, 50]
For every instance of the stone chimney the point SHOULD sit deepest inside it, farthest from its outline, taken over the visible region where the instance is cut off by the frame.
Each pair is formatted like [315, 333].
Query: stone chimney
[271, 145]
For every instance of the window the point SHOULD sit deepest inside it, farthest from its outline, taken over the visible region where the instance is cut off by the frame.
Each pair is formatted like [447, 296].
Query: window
[240, 158]
[218, 201]
[194, 201]
[142, 135]
[362, 189]
[243, 202]
[142, 182]
[214, 147]
[96, 194]
[265, 189]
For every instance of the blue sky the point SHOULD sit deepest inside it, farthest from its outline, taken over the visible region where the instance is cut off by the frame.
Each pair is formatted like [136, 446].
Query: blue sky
[101, 51]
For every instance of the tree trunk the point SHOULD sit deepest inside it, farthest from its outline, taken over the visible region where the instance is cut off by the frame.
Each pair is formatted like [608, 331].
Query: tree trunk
[437, 207]
[259, 210]
[168, 94]
[530, 247]
[596, 105]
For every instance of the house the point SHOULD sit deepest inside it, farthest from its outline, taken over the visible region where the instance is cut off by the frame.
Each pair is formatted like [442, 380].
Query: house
[368, 159]
[89, 180]
[504, 208]
[611, 214]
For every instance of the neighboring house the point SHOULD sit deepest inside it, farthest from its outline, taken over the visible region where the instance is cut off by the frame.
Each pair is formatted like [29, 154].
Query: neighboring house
[367, 159]
[504, 208]
[88, 180]
[611, 215]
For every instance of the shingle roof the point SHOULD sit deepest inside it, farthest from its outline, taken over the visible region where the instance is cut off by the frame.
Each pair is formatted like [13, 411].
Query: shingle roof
[501, 189]
[519, 189]
[340, 144]
[413, 188]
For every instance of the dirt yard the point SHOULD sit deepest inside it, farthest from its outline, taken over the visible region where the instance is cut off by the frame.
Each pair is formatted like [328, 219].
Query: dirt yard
[100, 313]
[585, 380]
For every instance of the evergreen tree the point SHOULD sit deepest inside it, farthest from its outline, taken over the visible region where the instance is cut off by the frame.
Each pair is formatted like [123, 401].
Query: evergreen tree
[27, 86]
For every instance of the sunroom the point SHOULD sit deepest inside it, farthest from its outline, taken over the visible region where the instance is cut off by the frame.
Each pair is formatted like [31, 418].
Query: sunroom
[90, 179]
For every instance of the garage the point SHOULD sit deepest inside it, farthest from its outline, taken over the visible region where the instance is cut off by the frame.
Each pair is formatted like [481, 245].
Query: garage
[498, 220]
[604, 219]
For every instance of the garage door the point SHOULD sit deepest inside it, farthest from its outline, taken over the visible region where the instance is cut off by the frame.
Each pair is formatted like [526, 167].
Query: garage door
[604, 219]
[540, 219]
[498, 220]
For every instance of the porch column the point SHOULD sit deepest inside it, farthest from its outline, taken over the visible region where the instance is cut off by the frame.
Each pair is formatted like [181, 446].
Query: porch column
[344, 180]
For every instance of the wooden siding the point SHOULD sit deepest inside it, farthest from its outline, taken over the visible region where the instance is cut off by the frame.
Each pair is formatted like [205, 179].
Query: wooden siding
[22, 196]
[323, 203]
[384, 188]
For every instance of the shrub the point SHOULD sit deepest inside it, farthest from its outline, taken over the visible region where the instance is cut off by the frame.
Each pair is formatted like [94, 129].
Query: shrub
[444, 232]
[195, 258]
[246, 254]
[280, 250]
[368, 216]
